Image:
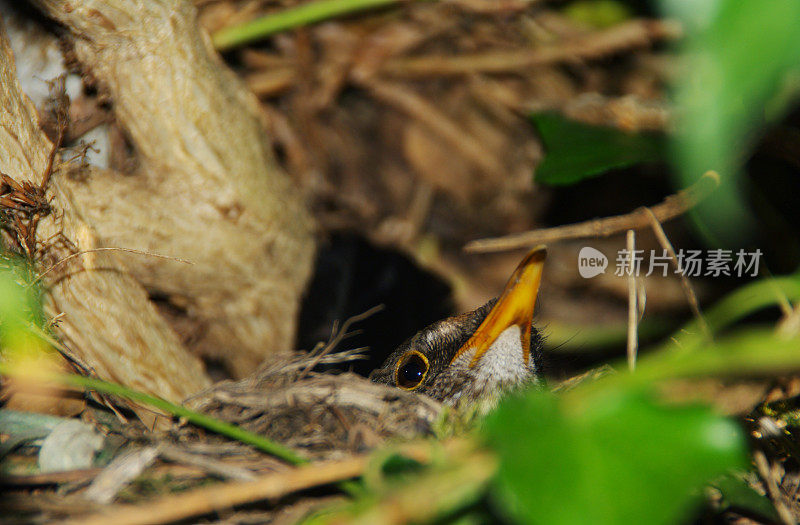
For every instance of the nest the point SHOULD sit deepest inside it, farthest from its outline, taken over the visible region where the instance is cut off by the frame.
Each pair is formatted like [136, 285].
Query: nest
[319, 414]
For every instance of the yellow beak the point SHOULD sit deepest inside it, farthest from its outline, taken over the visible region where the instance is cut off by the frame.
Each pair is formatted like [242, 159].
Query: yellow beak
[515, 307]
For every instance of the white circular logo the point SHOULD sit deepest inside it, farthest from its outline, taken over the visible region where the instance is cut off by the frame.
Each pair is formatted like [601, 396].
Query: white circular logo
[591, 262]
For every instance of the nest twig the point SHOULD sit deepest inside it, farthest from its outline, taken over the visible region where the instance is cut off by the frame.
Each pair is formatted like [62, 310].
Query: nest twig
[322, 414]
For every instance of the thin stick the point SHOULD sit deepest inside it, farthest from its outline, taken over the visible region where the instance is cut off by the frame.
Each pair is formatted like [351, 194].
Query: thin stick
[50, 478]
[429, 115]
[337, 337]
[207, 464]
[206, 500]
[688, 290]
[93, 250]
[48, 170]
[635, 33]
[777, 497]
[633, 309]
[671, 207]
[60, 90]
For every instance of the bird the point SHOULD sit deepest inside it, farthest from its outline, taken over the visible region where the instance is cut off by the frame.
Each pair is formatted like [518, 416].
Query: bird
[479, 355]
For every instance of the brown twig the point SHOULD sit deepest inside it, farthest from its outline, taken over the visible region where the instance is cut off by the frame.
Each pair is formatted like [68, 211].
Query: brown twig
[629, 113]
[50, 478]
[269, 83]
[61, 110]
[22, 205]
[119, 473]
[777, 497]
[635, 33]
[671, 207]
[214, 498]
[685, 284]
[436, 121]
[337, 336]
[94, 250]
[210, 465]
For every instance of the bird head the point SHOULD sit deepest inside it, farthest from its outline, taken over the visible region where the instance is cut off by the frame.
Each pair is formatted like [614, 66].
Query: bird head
[478, 354]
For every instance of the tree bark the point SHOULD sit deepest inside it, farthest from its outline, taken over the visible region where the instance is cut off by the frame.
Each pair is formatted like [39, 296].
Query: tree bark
[209, 189]
[103, 314]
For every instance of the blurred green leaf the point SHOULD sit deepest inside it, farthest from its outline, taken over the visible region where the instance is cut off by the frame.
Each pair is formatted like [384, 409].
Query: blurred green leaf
[739, 56]
[20, 309]
[297, 16]
[15, 299]
[598, 338]
[598, 13]
[753, 297]
[389, 466]
[621, 458]
[740, 303]
[749, 351]
[688, 353]
[575, 151]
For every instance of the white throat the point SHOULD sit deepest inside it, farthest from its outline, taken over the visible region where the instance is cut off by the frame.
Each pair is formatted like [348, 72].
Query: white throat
[503, 362]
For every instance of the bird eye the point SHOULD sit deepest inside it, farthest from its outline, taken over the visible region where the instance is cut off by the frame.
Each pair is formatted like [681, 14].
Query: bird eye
[411, 370]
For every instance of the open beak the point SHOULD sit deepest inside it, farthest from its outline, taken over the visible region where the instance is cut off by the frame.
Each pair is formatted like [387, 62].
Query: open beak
[515, 307]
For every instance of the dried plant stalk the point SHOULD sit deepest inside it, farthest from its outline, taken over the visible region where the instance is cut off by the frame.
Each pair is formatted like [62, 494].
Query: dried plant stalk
[209, 189]
[105, 315]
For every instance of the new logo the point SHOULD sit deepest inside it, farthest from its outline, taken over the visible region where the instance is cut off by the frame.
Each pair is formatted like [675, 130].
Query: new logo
[591, 262]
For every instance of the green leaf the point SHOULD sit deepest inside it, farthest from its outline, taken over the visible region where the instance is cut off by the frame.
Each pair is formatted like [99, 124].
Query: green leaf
[740, 303]
[752, 351]
[297, 16]
[598, 13]
[619, 458]
[18, 302]
[20, 308]
[749, 351]
[740, 56]
[575, 151]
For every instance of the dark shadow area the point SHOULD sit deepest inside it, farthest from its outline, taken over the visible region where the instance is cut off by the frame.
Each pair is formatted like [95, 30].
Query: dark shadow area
[352, 276]
[617, 192]
[773, 186]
